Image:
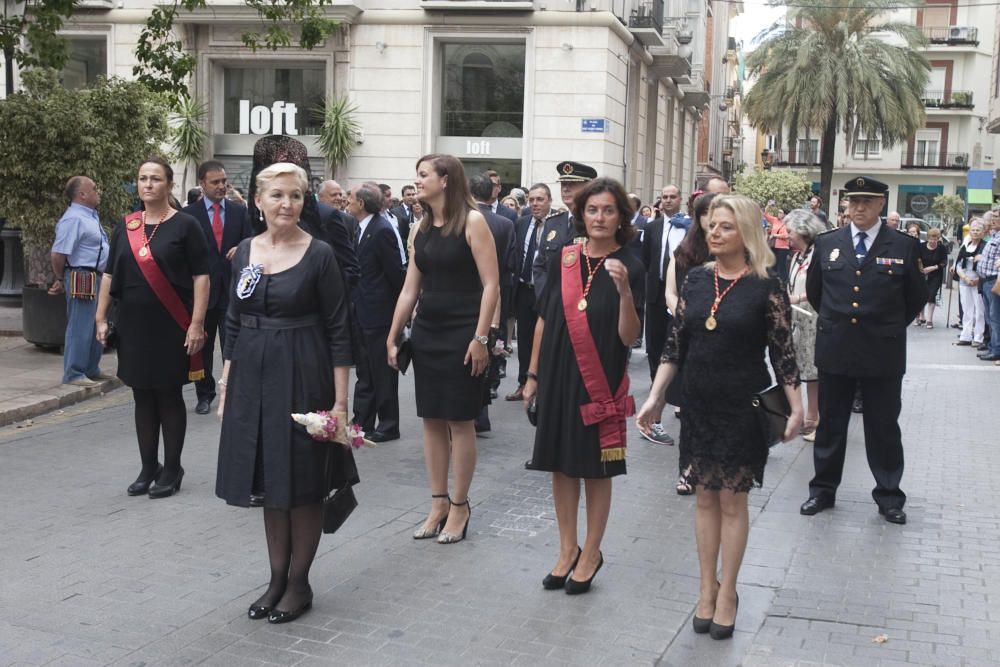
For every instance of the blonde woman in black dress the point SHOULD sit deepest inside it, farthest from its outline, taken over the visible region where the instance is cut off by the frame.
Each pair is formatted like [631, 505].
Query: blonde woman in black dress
[454, 274]
[730, 311]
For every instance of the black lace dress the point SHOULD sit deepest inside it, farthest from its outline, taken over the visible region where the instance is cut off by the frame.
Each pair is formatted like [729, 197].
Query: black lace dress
[721, 440]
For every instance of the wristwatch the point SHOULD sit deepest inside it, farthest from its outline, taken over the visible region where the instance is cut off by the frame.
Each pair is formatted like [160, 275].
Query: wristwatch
[485, 340]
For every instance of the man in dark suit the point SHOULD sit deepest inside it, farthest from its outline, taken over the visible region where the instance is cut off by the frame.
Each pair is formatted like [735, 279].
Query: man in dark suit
[494, 200]
[528, 234]
[225, 223]
[558, 230]
[335, 230]
[401, 227]
[503, 238]
[404, 212]
[376, 393]
[866, 286]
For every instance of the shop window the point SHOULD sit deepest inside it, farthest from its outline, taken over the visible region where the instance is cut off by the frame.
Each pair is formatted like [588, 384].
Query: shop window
[483, 90]
[273, 100]
[88, 59]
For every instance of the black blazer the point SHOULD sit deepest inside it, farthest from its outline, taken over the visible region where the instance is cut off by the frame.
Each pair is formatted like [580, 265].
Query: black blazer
[235, 228]
[503, 238]
[382, 275]
[557, 231]
[521, 226]
[635, 245]
[334, 231]
[506, 212]
[403, 222]
[864, 309]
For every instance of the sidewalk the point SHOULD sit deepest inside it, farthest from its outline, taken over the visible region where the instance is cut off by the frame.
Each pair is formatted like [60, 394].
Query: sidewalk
[32, 377]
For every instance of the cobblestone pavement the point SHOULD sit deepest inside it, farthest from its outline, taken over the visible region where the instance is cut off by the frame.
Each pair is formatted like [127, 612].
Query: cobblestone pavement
[92, 577]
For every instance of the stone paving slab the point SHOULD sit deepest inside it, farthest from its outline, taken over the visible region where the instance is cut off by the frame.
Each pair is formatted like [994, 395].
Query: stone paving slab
[92, 576]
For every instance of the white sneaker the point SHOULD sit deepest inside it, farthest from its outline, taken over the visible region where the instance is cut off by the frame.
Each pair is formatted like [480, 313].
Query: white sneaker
[84, 382]
[658, 435]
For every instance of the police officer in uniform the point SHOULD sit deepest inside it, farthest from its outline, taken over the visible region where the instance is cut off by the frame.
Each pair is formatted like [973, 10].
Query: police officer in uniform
[866, 286]
[558, 229]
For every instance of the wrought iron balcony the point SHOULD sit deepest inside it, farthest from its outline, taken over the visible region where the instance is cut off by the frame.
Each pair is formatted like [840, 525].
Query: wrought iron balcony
[950, 99]
[646, 22]
[936, 160]
[952, 35]
[792, 159]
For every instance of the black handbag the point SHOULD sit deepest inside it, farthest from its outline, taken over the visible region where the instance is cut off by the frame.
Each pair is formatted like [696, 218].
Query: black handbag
[337, 507]
[404, 355]
[111, 340]
[773, 411]
[532, 411]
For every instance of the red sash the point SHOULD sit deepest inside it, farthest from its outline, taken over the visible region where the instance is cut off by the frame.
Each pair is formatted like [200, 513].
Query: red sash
[607, 411]
[161, 287]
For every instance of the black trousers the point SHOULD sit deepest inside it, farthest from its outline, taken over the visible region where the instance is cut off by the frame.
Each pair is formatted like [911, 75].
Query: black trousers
[215, 321]
[657, 324]
[527, 318]
[883, 443]
[376, 393]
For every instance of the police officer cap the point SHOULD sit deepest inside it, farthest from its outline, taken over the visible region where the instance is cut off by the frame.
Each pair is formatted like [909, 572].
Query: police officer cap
[863, 186]
[575, 172]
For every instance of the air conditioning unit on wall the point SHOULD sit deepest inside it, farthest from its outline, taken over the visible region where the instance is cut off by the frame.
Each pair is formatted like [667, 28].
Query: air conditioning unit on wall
[958, 32]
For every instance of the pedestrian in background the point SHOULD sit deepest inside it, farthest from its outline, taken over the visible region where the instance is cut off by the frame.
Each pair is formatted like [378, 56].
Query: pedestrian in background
[157, 272]
[933, 260]
[79, 255]
[454, 275]
[287, 350]
[913, 229]
[803, 229]
[730, 311]
[989, 265]
[578, 377]
[778, 241]
[967, 266]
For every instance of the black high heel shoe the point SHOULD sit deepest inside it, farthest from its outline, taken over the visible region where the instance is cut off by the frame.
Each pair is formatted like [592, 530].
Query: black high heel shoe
[448, 538]
[553, 583]
[724, 631]
[278, 616]
[701, 625]
[424, 534]
[574, 587]
[140, 486]
[168, 488]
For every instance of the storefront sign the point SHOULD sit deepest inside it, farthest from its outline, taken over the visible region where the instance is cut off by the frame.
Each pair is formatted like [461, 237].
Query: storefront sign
[279, 119]
[477, 147]
[593, 125]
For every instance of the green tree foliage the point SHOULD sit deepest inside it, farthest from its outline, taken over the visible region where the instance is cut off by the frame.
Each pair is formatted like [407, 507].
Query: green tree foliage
[48, 134]
[28, 32]
[839, 65]
[339, 130]
[951, 208]
[787, 189]
[187, 132]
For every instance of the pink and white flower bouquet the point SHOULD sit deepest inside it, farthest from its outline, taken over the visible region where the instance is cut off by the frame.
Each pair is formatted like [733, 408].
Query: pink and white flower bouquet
[326, 426]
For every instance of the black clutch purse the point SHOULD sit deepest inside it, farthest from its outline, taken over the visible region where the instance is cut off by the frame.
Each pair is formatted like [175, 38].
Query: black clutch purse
[532, 411]
[337, 507]
[773, 411]
[111, 340]
[404, 355]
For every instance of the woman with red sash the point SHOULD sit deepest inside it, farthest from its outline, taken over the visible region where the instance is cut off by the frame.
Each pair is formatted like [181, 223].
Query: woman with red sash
[729, 312]
[578, 376]
[157, 273]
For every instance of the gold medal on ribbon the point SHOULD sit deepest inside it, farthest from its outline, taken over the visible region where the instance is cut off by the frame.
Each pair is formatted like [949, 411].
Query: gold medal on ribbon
[133, 225]
[569, 259]
[710, 323]
[143, 251]
[582, 304]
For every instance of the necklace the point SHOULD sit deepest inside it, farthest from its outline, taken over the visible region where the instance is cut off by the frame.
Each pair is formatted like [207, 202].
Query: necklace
[711, 323]
[591, 272]
[144, 250]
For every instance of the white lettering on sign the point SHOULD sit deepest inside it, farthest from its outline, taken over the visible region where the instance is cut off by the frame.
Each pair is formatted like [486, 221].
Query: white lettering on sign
[279, 119]
[477, 147]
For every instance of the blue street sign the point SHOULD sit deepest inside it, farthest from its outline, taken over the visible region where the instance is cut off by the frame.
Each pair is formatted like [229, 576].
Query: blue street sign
[593, 125]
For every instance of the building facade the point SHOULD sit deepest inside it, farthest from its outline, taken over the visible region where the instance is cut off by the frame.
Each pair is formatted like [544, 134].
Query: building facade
[954, 139]
[512, 85]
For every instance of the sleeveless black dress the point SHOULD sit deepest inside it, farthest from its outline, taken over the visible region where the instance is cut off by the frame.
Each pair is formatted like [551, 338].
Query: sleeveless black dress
[447, 315]
[721, 440]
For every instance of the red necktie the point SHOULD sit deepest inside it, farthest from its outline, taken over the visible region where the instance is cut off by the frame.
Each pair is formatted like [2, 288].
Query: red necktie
[217, 224]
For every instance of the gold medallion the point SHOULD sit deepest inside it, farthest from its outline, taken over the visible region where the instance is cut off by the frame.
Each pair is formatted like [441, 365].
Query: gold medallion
[143, 251]
[710, 323]
[569, 259]
[582, 304]
[133, 224]
[551, 235]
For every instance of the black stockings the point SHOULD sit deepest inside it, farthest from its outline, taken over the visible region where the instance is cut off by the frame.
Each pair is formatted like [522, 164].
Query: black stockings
[292, 540]
[157, 409]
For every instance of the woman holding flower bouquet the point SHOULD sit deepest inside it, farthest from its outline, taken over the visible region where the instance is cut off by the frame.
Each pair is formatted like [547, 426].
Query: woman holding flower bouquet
[587, 321]
[288, 350]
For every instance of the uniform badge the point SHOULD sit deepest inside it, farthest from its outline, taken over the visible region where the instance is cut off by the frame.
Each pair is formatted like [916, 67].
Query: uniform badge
[249, 277]
[860, 182]
[567, 168]
[834, 254]
[551, 235]
[133, 225]
[569, 259]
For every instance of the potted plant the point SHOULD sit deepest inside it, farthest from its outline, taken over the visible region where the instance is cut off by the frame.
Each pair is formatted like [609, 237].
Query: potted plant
[339, 131]
[47, 135]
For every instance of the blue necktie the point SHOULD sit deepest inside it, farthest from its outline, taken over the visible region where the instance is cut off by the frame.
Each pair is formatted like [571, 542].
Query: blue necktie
[860, 250]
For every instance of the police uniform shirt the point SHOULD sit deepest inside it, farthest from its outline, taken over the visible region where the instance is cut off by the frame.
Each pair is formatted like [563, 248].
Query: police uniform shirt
[871, 234]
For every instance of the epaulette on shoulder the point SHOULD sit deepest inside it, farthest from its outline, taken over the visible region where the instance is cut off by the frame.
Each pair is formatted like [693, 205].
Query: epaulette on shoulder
[828, 231]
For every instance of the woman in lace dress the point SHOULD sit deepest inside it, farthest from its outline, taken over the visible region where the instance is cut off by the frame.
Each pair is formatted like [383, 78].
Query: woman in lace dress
[729, 312]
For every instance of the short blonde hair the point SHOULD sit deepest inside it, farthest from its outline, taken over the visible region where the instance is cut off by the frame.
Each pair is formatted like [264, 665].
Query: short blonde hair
[748, 221]
[933, 233]
[270, 173]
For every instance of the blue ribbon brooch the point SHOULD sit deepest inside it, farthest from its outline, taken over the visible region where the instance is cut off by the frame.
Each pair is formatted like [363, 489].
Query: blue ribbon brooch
[249, 277]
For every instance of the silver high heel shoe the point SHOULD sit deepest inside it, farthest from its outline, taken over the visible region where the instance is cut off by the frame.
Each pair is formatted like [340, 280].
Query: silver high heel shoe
[449, 538]
[426, 533]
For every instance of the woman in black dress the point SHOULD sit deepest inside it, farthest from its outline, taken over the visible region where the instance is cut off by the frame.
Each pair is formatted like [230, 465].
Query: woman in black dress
[159, 343]
[730, 311]
[933, 260]
[587, 321]
[454, 274]
[288, 349]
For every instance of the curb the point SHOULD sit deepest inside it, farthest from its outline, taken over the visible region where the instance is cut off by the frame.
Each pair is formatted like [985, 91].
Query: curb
[57, 397]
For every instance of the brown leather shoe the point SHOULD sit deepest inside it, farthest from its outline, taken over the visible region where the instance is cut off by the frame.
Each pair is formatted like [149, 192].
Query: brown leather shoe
[517, 395]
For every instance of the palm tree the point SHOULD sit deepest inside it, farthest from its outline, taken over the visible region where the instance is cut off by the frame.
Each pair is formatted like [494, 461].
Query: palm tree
[839, 65]
[187, 132]
[339, 132]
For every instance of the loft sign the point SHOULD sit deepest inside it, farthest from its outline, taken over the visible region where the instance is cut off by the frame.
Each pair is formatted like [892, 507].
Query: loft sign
[279, 119]
[477, 147]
